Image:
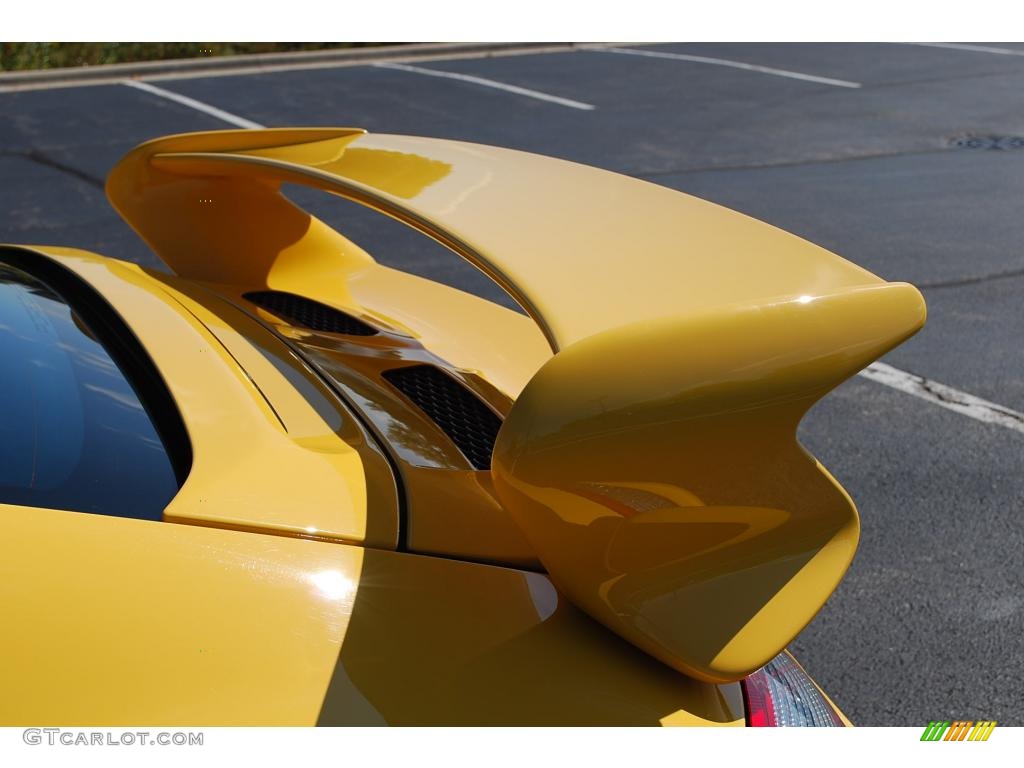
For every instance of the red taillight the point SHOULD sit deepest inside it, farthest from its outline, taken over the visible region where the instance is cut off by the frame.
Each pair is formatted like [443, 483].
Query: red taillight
[780, 694]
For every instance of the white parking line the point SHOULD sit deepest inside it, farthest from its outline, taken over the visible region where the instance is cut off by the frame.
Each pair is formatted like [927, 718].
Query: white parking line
[199, 106]
[489, 83]
[734, 64]
[968, 47]
[944, 396]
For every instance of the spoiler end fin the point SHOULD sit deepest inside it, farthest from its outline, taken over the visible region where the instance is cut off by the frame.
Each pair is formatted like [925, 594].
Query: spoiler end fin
[656, 470]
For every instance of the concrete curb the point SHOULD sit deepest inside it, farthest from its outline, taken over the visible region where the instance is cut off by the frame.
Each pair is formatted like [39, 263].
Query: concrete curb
[195, 67]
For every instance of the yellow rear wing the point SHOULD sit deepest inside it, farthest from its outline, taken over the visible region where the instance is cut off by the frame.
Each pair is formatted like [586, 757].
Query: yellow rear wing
[580, 249]
[652, 461]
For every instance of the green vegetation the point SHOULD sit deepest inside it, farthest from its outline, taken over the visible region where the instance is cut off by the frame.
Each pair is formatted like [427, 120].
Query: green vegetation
[48, 55]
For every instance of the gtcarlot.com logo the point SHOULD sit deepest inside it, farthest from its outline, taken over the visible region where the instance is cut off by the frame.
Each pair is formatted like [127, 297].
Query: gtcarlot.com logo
[960, 730]
[72, 738]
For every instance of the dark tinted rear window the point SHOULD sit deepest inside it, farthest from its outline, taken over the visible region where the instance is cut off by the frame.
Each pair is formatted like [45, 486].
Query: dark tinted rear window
[74, 434]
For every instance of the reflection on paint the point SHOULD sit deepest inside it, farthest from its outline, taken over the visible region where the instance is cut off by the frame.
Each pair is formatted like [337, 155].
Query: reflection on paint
[334, 585]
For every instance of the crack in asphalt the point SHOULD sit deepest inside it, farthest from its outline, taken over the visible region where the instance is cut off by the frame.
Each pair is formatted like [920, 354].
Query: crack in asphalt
[941, 79]
[945, 396]
[973, 279]
[38, 156]
[943, 393]
[784, 163]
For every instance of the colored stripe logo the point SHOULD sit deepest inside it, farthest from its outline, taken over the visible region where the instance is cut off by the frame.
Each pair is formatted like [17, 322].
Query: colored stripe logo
[960, 730]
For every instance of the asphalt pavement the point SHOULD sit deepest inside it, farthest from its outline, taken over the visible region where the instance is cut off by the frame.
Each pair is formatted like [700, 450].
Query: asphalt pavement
[908, 160]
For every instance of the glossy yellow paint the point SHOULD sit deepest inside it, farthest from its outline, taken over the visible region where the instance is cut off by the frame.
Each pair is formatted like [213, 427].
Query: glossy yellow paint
[502, 347]
[648, 459]
[561, 238]
[670, 498]
[311, 415]
[451, 508]
[235, 231]
[724, 331]
[434, 642]
[243, 445]
[113, 621]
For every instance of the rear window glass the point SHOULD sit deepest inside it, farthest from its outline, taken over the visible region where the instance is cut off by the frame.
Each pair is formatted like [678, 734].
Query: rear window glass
[74, 434]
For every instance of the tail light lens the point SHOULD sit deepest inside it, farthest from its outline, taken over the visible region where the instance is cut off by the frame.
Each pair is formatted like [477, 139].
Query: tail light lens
[781, 694]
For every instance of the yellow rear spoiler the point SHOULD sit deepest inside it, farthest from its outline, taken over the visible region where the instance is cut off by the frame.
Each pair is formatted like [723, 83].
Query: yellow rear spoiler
[652, 461]
[582, 250]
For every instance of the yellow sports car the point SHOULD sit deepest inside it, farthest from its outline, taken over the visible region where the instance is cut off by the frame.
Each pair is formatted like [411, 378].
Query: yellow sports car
[284, 484]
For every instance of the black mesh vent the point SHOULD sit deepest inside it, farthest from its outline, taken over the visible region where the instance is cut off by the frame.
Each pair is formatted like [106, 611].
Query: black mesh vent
[470, 424]
[309, 314]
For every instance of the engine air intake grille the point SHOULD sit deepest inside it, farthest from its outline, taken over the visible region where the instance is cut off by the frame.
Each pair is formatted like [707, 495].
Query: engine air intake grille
[470, 424]
[308, 313]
